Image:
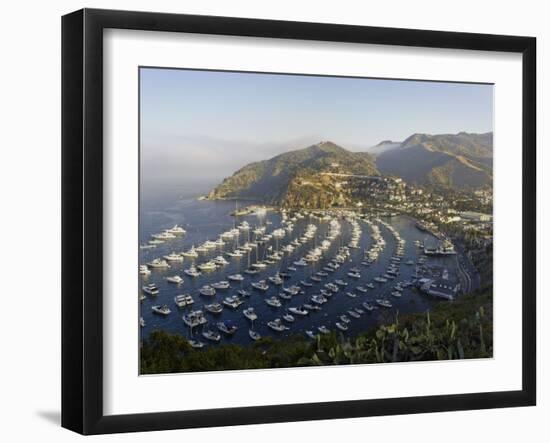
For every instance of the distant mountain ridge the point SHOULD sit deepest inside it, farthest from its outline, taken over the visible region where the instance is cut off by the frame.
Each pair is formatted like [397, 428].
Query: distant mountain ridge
[462, 160]
[281, 178]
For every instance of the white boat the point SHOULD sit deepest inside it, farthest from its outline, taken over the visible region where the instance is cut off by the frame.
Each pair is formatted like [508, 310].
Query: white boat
[341, 326]
[298, 311]
[250, 314]
[212, 335]
[273, 302]
[351, 294]
[277, 325]
[220, 285]
[207, 290]
[163, 236]
[233, 301]
[227, 327]
[176, 230]
[214, 308]
[344, 318]
[354, 274]
[243, 293]
[288, 317]
[183, 300]
[259, 265]
[220, 261]
[158, 263]
[396, 294]
[208, 266]
[175, 279]
[142, 322]
[235, 277]
[311, 334]
[194, 319]
[368, 306]
[235, 253]
[150, 289]
[161, 310]
[276, 280]
[323, 329]
[383, 303]
[190, 253]
[144, 270]
[260, 285]
[192, 272]
[300, 263]
[254, 335]
[354, 314]
[196, 344]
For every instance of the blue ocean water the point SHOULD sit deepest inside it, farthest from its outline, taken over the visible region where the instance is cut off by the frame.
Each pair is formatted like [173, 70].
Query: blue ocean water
[206, 220]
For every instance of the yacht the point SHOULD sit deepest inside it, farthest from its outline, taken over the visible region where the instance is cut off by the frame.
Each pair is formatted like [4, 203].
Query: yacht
[235, 253]
[251, 271]
[147, 246]
[261, 285]
[277, 325]
[288, 317]
[211, 335]
[341, 283]
[162, 310]
[163, 236]
[298, 311]
[311, 334]
[221, 285]
[207, 290]
[176, 230]
[306, 284]
[243, 293]
[144, 270]
[276, 280]
[259, 265]
[273, 302]
[142, 322]
[227, 327]
[383, 303]
[155, 242]
[354, 314]
[368, 306]
[235, 277]
[254, 335]
[292, 290]
[194, 319]
[323, 329]
[192, 271]
[190, 253]
[214, 308]
[370, 285]
[208, 266]
[232, 301]
[342, 326]
[158, 263]
[300, 263]
[150, 289]
[250, 314]
[220, 261]
[175, 279]
[351, 294]
[173, 257]
[195, 344]
[183, 300]
[354, 274]
[380, 279]
[344, 318]
[396, 294]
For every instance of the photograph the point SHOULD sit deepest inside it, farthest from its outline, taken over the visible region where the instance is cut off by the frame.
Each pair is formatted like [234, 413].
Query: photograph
[303, 220]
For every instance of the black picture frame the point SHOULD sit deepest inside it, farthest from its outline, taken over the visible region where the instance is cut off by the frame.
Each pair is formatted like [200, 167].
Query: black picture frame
[82, 218]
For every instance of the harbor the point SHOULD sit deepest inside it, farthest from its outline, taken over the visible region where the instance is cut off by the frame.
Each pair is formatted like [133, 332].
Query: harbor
[215, 276]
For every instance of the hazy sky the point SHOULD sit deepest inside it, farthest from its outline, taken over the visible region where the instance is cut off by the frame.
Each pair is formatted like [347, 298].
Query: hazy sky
[201, 125]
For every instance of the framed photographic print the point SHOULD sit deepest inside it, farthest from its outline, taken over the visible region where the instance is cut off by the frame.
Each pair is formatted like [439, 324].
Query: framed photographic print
[270, 221]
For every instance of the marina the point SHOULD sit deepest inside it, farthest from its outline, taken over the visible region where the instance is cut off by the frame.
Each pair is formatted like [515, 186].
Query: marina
[224, 278]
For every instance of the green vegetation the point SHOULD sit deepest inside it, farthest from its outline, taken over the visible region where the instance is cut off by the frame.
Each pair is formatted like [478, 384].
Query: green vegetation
[295, 177]
[452, 330]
